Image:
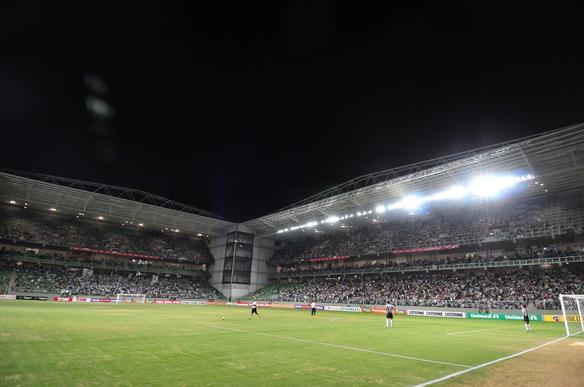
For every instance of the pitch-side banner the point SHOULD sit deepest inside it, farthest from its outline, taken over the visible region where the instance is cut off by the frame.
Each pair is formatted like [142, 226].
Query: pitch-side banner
[342, 308]
[7, 297]
[436, 313]
[306, 306]
[503, 316]
[289, 306]
[559, 318]
[32, 298]
[382, 310]
[248, 304]
[193, 302]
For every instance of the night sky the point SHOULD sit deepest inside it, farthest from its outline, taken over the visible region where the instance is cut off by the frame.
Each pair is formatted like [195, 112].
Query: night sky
[241, 110]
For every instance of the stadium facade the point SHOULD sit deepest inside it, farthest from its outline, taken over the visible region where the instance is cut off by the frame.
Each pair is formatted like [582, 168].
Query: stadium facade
[542, 167]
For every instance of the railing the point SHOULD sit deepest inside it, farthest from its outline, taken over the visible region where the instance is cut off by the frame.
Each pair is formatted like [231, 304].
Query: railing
[453, 266]
[102, 266]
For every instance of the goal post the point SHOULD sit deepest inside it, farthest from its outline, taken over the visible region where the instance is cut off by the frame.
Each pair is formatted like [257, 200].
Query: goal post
[572, 308]
[123, 298]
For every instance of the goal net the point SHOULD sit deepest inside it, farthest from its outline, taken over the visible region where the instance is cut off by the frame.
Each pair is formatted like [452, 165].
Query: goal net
[131, 298]
[572, 308]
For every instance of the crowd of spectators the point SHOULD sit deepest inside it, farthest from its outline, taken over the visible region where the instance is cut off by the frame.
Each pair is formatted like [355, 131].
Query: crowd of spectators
[497, 289]
[375, 266]
[56, 230]
[87, 260]
[79, 281]
[489, 223]
[4, 279]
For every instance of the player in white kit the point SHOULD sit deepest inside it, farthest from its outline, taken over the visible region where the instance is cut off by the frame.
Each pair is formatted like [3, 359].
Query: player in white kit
[525, 318]
[389, 309]
[254, 310]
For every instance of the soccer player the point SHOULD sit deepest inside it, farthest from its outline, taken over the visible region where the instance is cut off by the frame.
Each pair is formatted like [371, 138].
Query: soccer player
[525, 318]
[254, 309]
[389, 308]
[313, 308]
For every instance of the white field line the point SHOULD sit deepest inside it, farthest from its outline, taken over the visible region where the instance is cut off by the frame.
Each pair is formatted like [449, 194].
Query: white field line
[341, 347]
[489, 363]
[476, 330]
[525, 340]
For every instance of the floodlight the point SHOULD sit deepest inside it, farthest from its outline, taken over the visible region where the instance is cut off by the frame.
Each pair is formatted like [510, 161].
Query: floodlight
[394, 206]
[12, 202]
[52, 209]
[490, 186]
[411, 202]
[380, 209]
[455, 192]
[332, 219]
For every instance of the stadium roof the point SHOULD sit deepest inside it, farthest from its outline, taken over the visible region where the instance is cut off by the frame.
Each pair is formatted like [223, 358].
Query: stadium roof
[111, 203]
[555, 158]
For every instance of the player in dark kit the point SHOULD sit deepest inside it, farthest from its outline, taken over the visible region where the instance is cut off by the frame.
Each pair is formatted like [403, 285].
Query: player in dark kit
[313, 308]
[525, 318]
[389, 308]
[254, 310]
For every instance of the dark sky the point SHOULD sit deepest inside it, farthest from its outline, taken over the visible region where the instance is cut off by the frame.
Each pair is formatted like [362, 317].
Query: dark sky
[243, 109]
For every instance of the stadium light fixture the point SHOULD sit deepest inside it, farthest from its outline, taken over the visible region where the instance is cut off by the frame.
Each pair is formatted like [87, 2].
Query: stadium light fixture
[332, 219]
[487, 186]
[53, 209]
[491, 186]
[412, 202]
[456, 192]
[12, 202]
[140, 224]
[100, 217]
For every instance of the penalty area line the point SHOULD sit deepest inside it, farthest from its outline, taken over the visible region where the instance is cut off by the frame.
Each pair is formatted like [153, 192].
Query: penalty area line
[489, 363]
[342, 347]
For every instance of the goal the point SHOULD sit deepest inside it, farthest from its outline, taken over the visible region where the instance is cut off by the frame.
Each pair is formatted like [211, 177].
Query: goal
[572, 308]
[132, 298]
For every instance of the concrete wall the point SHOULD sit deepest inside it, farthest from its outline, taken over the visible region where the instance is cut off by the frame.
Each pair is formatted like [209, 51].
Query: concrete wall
[263, 250]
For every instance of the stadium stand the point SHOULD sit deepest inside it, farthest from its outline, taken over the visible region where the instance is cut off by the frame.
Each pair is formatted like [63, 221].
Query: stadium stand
[33, 279]
[52, 253]
[56, 230]
[498, 289]
[486, 224]
[5, 275]
[368, 266]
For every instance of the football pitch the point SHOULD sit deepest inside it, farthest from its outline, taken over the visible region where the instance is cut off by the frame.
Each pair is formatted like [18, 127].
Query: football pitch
[46, 343]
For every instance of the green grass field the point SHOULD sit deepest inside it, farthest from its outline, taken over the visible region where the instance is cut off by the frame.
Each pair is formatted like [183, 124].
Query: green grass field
[46, 343]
